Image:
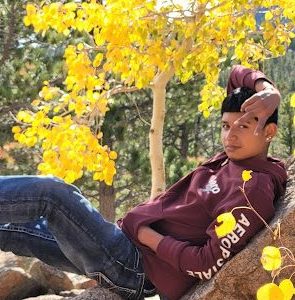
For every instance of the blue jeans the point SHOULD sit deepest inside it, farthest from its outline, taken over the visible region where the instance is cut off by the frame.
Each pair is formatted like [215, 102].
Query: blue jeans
[43, 217]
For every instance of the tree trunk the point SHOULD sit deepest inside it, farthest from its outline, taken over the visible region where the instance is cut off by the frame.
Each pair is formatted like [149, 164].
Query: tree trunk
[107, 201]
[10, 36]
[197, 131]
[184, 140]
[156, 132]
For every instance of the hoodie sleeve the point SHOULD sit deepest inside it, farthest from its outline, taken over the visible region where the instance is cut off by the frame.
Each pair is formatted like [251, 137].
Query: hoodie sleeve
[241, 76]
[204, 261]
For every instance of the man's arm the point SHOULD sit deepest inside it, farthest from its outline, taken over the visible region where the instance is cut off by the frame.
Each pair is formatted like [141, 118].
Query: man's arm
[263, 103]
[241, 76]
[204, 261]
[149, 237]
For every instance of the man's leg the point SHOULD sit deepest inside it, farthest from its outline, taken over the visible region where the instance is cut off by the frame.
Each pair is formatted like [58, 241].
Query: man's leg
[34, 240]
[96, 247]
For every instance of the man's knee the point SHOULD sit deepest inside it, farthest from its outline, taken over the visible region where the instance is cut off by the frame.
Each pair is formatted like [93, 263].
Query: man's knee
[51, 188]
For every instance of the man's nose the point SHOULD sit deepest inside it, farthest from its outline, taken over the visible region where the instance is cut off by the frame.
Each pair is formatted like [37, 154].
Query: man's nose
[231, 134]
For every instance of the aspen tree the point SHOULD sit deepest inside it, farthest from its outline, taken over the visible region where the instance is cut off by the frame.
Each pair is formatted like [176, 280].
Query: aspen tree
[136, 44]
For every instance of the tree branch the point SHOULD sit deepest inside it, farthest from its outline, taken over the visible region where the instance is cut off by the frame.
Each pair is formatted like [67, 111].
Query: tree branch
[121, 89]
[139, 115]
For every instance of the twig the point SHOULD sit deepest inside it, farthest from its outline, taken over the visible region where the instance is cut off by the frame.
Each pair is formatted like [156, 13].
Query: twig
[249, 203]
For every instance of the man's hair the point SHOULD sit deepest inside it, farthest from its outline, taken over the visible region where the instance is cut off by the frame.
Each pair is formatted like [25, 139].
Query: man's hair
[234, 101]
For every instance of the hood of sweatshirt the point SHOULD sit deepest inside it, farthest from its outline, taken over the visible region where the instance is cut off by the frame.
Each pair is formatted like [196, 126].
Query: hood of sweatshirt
[271, 166]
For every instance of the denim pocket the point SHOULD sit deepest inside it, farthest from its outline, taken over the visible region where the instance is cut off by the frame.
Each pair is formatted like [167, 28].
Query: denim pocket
[124, 292]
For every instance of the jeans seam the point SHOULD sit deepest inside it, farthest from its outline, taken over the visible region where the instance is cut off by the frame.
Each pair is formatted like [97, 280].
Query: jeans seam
[16, 228]
[98, 276]
[149, 292]
[136, 263]
[140, 290]
[122, 265]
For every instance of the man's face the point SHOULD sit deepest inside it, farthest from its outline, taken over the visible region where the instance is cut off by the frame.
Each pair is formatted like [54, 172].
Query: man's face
[239, 141]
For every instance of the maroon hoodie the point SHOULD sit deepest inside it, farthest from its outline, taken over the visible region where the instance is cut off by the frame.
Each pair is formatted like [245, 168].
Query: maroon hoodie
[186, 215]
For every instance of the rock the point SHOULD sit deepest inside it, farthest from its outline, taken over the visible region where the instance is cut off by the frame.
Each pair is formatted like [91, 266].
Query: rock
[50, 277]
[97, 293]
[16, 284]
[46, 297]
[71, 293]
[240, 278]
[81, 282]
[9, 260]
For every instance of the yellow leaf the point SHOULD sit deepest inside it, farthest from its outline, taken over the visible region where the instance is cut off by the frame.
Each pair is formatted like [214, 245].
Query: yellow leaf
[71, 6]
[268, 15]
[31, 9]
[27, 21]
[206, 114]
[80, 46]
[97, 176]
[246, 175]
[228, 223]
[36, 102]
[271, 258]
[98, 59]
[287, 288]
[66, 32]
[270, 291]
[292, 101]
[16, 129]
[113, 155]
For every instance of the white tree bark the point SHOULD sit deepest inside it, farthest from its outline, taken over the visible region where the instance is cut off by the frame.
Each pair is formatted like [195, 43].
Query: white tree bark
[156, 132]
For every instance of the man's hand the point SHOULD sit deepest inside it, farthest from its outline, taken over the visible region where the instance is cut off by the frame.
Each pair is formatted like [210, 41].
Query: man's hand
[261, 105]
[149, 237]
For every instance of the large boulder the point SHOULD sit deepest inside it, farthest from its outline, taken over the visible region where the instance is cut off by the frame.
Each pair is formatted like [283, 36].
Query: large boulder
[62, 295]
[49, 277]
[97, 293]
[27, 277]
[240, 278]
[16, 284]
[55, 280]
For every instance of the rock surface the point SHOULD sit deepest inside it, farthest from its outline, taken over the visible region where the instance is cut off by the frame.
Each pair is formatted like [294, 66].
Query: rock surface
[16, 284]
[97, 293]
[28, 278]
[50, 277]
[46, 297]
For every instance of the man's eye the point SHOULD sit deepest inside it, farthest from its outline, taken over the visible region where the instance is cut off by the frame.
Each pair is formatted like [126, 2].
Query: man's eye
[243, 126]
[225, 126]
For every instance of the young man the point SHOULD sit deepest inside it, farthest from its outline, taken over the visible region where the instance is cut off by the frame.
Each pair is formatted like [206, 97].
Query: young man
[169, 243]
[179, 226]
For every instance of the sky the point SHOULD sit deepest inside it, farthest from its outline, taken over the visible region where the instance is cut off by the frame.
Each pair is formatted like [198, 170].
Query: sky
[184, 3]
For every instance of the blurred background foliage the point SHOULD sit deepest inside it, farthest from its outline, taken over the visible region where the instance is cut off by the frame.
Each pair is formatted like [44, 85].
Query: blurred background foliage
[189, 139]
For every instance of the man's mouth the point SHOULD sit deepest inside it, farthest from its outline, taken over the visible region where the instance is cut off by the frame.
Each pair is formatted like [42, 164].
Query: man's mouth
[231, 148]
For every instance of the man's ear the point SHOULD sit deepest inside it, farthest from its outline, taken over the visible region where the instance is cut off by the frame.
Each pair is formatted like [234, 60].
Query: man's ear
[270, 130]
